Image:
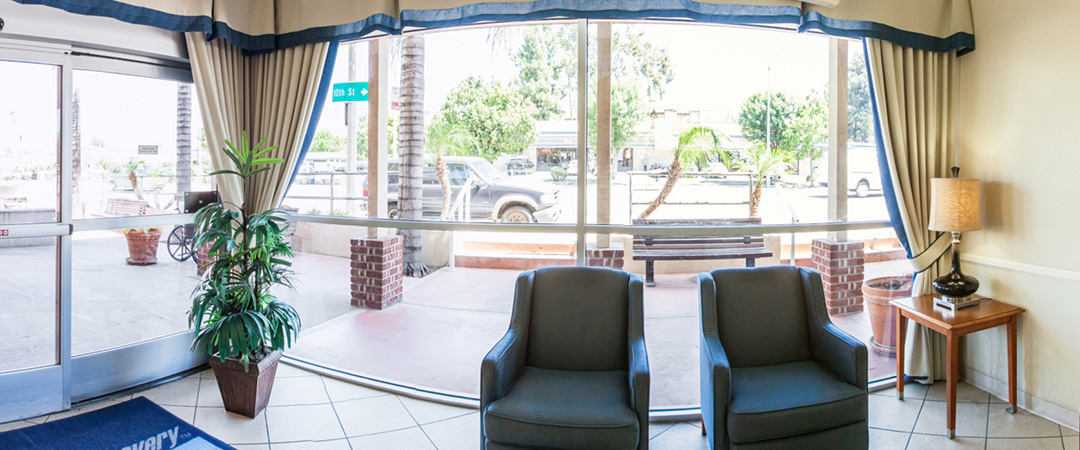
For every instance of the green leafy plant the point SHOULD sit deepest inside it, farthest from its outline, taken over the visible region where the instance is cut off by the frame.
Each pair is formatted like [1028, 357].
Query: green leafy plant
[233, 312]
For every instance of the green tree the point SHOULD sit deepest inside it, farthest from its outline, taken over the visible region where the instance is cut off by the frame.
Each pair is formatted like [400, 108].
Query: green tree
[497, 116]
[860, 115]
[445, 138]
[547, 64]
[752, 117]
[695, 146]
[807, 130]
[391, 137]
[326, 141]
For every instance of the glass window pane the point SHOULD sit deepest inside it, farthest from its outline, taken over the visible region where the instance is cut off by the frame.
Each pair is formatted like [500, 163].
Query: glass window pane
[139, 145]
[29, 142]
[27, 302]
[118, 301]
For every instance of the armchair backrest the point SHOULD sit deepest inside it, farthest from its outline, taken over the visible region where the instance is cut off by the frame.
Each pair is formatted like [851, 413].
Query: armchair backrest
[579, 319]
[761, 315]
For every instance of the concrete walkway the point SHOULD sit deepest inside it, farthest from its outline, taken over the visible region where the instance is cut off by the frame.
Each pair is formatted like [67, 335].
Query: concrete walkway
[436, 337]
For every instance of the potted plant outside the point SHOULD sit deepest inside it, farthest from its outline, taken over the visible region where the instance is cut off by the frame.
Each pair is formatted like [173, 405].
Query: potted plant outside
[237, 321]
[142, 245]
[877, 293]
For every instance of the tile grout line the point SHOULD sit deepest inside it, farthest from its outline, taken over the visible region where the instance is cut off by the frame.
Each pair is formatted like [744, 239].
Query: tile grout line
[334, 408]
[916, 423]
[986, 436]
[266, 420]
[662, 432]
[198, 390]
[417, 422]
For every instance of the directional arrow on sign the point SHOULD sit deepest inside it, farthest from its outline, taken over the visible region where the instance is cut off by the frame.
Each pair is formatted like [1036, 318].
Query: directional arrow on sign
[363, 92]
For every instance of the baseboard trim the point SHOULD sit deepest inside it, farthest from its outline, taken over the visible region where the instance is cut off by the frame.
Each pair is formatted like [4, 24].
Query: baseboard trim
[1042, 408]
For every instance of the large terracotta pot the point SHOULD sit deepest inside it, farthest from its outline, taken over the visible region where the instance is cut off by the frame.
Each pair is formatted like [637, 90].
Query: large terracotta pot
[142, 246]
[877, 293]
[245, 393]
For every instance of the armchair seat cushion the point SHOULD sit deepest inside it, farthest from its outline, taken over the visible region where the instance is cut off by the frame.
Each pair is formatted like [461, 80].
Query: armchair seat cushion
[564, 409]
[777, 401]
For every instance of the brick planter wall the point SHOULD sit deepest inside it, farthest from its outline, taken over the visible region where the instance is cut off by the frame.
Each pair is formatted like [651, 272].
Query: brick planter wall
[202, 258]
[841, 265]
[611, 257]
[377, 271]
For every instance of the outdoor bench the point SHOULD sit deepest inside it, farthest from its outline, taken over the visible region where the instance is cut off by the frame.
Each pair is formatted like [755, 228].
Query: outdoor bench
[697, 247]
[122, 207]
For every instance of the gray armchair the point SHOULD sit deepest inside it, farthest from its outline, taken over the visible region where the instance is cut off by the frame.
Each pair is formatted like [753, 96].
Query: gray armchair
[571, 372]
[775, 372]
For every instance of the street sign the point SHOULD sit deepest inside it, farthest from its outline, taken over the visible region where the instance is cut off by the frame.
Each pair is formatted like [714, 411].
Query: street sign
[351, 92]
[147, 149]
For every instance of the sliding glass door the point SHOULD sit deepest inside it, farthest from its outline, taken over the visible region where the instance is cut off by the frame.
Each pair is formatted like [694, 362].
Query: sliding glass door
[91, 148]
[31, 344]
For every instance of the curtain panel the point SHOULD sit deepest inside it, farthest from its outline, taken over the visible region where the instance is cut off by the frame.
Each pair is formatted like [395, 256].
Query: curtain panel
[914, 97]
[271, 96]
[263, 26]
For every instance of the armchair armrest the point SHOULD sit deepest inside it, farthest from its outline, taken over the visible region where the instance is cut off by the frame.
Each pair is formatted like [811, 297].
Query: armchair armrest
[715, 368]
[501, 366]
[638, 368]
[830, 346]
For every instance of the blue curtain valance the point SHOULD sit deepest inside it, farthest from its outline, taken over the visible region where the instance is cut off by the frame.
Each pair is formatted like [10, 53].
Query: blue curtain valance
[934, 25]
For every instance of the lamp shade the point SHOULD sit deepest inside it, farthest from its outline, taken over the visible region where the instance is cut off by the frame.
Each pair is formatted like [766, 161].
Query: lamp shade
[954, 204]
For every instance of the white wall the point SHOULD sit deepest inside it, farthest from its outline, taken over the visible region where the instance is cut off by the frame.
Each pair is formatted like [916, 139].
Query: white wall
[1020, 133]
[53, 25]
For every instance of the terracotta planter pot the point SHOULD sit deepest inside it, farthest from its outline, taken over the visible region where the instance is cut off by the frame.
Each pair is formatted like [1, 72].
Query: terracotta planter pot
[142, 246]
[877, 293]
[245, 393]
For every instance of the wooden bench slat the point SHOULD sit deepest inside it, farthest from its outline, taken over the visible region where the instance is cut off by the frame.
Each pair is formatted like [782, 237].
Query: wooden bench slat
[664, 255]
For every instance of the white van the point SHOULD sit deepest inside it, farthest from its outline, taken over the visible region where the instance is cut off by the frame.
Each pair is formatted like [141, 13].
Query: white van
[864, 176]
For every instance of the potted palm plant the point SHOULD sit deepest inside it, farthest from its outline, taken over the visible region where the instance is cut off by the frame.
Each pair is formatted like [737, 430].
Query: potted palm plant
[237, 321]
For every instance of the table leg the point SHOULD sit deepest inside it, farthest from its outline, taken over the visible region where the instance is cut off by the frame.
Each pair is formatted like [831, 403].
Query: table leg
[1012, 364]
[952, 372]
[901, 337]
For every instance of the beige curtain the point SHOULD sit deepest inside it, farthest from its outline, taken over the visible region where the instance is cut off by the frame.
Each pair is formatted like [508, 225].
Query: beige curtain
[916, 94]
[270, 96]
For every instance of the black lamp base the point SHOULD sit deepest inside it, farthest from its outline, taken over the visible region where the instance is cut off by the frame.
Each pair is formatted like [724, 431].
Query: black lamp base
[955, 287]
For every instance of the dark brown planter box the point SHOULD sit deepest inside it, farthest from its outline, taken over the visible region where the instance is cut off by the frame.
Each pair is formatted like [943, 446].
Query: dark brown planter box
[245, 393]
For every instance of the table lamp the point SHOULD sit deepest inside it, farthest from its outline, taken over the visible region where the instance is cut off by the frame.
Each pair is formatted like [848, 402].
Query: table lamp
[954, 207]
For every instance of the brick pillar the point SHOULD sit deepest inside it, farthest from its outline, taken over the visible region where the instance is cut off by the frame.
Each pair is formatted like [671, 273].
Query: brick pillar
[202, 258]
[605, 257]
[841, 265]
[377, 271]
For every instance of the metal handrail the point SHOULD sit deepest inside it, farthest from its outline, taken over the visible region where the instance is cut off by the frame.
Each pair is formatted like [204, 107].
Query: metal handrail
[460, 209]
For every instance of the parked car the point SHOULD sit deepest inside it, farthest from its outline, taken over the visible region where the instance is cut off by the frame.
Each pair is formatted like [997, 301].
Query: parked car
[520, 165]
[494, 196]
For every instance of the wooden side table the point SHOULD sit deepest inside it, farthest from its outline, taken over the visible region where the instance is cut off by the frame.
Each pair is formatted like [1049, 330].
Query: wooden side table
[987, 314]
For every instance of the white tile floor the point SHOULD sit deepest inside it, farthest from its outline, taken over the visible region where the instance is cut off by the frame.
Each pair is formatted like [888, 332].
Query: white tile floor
[309, 411]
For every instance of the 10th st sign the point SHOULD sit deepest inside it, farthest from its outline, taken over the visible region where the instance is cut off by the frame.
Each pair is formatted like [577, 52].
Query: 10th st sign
[350, 92]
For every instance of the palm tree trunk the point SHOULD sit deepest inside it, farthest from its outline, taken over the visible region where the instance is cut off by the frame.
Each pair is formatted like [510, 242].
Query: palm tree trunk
[183, 141]
[673, 177]
[444, 181]
[411, 145]
[755, 199]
